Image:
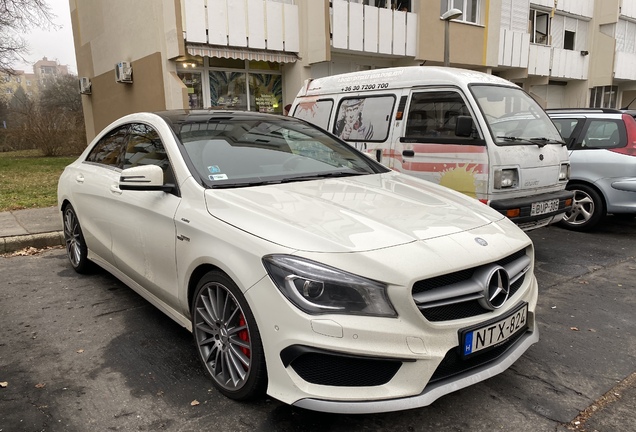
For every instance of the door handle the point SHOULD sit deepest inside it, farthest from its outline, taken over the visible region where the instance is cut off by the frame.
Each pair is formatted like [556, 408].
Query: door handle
[408, 153]
[115, 189]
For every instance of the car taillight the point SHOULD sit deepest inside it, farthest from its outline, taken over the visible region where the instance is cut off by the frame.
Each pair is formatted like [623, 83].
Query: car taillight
[630, 126]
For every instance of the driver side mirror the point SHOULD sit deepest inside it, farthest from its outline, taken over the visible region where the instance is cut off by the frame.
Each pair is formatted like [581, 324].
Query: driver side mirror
[464, 126]
[143, 178]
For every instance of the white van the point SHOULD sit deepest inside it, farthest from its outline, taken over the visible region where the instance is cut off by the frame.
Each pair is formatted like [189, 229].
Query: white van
[470, 131]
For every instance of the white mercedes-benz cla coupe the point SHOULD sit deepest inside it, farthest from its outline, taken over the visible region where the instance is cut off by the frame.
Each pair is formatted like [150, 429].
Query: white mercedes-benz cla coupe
[303, 268]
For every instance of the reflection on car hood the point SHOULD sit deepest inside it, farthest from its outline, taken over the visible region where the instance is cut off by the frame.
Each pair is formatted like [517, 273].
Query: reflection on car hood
[348, 214]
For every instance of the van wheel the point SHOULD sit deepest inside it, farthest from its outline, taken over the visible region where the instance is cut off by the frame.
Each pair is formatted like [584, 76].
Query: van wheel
[588, 209]
[227, 338]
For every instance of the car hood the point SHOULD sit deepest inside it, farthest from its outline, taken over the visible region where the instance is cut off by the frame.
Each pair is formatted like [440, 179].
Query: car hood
[348, 214]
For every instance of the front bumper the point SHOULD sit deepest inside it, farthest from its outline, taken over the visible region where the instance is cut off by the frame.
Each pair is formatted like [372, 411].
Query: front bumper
[525, 220]
[433, 391]
[391, 363]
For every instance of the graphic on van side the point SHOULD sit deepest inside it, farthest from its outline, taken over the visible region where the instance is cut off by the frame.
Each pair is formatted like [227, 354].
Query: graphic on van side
[315, 111]
[364, 119]
[350, 124]
[467, 173]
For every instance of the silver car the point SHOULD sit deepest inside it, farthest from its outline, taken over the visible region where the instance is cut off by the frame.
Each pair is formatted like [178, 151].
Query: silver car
[602, 145]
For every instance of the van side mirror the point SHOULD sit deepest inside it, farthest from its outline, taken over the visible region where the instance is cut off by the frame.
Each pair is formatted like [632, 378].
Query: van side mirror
[464, 126]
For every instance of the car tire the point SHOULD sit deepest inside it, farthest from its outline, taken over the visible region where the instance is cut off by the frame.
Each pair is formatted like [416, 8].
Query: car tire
[588, 209]
[76, 249]
[227, 338]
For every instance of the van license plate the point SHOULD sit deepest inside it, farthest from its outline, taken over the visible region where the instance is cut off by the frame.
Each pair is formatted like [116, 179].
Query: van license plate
[543, 207]
[478, 339]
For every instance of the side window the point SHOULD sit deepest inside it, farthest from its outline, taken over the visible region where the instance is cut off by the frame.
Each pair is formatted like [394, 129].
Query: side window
[315, 112]
[604, 134]
[145, 148]
[433, 114]
[565, 127]
[109, 149]
[364, 119]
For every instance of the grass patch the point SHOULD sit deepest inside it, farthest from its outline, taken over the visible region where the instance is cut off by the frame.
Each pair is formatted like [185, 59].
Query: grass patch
[29, 180]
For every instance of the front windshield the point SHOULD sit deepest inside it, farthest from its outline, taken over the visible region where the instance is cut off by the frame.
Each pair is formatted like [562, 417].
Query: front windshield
[514, 117]
[235, 151]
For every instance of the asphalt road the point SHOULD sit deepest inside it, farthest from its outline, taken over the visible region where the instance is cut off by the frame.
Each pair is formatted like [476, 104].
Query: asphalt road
[84, 353]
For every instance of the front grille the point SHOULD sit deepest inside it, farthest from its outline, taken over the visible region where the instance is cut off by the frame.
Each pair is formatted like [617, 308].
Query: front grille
[453, 363]
[344, 371]
[456, 295]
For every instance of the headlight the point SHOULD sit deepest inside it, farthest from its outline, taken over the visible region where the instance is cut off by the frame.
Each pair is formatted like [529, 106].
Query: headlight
[506, 178]
[318, 289]
[564, 173]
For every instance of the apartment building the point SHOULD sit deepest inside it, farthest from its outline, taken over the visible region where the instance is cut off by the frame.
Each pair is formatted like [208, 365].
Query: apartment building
[152, 55]
[10, 83]
[43, 71]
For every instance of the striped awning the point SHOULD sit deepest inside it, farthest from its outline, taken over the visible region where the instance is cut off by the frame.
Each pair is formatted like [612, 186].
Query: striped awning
[219, 51]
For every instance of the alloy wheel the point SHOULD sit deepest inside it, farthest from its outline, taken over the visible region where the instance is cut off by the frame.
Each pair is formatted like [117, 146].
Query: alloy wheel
[223, 336]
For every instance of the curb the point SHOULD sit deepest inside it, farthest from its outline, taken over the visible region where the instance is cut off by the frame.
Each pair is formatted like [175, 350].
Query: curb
[15, 243]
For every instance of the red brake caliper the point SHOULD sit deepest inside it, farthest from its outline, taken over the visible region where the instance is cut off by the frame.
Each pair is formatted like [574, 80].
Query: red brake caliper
[243, 335]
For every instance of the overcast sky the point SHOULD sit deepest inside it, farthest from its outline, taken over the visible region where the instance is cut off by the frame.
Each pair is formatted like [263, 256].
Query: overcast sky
[52, 44]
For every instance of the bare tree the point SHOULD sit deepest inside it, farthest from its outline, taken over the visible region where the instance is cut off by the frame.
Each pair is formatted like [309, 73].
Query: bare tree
[18, 16]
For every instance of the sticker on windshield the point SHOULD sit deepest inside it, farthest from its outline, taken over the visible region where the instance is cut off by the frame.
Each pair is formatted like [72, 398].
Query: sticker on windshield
[214, 169]
[218, 177]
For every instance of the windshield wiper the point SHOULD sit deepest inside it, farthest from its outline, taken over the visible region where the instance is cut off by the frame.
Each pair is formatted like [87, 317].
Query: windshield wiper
[318, 176]
[540, 141]
[546, 141]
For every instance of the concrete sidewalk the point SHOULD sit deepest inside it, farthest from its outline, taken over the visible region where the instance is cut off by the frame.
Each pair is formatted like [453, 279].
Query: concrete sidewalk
[41, 227]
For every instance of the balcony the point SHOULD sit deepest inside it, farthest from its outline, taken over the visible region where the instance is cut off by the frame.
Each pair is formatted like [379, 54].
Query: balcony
[625, 66]
[365, 29]
[557, 63]
[255, 29]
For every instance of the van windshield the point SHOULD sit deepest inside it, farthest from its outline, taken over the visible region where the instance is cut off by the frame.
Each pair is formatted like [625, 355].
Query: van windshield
[513, 117]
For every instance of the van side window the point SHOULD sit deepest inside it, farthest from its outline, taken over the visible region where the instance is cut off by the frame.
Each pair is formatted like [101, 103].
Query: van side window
[316, 112]
[434, 114]
[364, 118]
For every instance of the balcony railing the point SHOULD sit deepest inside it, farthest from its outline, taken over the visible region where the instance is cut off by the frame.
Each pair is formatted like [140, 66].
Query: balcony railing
[575, 7]
[625, 66]
[557, 63]
[370, 29]
[256, 24]
[514, 48]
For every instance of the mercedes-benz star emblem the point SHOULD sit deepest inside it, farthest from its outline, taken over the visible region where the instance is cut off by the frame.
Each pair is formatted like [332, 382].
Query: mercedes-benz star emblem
[497, 289]
[480, 241]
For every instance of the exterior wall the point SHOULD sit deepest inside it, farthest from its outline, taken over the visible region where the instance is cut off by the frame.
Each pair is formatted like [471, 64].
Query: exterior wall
[110, 100]
[601, 70]
[467, 41]
[104, 35]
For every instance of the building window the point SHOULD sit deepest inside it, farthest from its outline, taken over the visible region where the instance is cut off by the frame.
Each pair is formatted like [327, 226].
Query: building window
[8, 91]
[18, 79]
[471, 9]
[603, 97]
[192, 81]
[28, 83]
[539, 27]
[232, 84]
[568, 40]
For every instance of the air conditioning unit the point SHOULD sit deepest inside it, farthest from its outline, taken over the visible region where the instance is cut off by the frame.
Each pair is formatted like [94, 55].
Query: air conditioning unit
[85, 85]
[123, 72]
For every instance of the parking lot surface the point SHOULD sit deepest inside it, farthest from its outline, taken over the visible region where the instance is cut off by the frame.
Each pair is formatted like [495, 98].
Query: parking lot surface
[84, 353]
